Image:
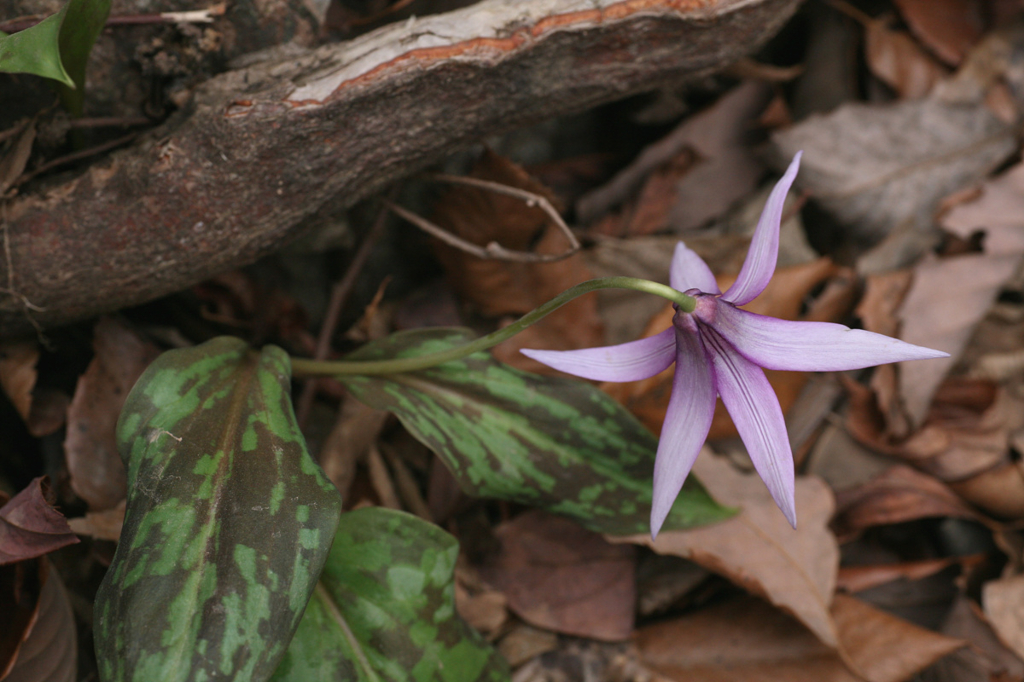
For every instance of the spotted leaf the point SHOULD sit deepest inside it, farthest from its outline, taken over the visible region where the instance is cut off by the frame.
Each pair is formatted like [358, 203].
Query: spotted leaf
[559, 444]
[385, 609]
[228, 521]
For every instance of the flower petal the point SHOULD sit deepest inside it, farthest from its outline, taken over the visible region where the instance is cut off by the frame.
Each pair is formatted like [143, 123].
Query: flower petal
[756, 413]
[764, 248]
[810, 346]
[631, 361]
[687, 422]
[689, 271]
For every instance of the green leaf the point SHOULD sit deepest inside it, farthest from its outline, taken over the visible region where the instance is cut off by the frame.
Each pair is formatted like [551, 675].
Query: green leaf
[385, 609]
[36, 50]
[228, 523]
[85, 19]
[58, 48]
[558, 444]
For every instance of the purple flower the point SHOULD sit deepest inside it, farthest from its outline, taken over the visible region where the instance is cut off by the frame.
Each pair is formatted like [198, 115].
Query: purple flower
[719, 350]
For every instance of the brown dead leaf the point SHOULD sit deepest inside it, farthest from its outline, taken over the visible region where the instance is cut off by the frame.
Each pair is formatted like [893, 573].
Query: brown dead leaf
[758, 550]
[18, 373]
[48, 651]
[899, 494]
[986, 660]
[559, 576]
[897, 60]
[1003, 603]
[946, 301]
[12, 164]
[510, 288]
[355, 430]
[864, 577]
[746, 639]
[874, 167]
[102, 525]
[727, 170]
[30, 527]
[948, 27]
[97, 472]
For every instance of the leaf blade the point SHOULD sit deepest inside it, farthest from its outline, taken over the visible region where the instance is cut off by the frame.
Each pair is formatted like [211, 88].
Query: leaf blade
[228, 520]
[385, 609]
[547, 442]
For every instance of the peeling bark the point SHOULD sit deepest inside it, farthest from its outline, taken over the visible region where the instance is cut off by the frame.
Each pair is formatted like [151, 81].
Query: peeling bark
[262, 150]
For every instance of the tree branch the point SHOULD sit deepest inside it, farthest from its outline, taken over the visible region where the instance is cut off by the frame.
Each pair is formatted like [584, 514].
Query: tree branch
[263, 150]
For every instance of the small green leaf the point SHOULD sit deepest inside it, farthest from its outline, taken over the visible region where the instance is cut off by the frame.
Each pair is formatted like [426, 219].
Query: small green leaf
[85, 19]
[385, 609]
[58, 48]
[36, 50]
[558, 444]
[228, 521]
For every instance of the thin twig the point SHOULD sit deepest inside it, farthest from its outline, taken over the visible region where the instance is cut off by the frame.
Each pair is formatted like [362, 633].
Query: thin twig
[339, 295]
[110, 122]
[391, 9]
[494, 250]
[76, 156]
[200, 16]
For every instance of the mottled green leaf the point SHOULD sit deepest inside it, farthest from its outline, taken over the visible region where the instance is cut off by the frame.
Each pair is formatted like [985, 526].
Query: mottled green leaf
[558, 444]
[385, 609]
[228, 522]
[58, 48]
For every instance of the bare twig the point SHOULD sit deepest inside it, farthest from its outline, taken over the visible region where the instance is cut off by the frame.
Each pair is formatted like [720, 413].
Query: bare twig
[339, 294]
[76, 156]
[494, 250]
[199, 16]
[111, 122]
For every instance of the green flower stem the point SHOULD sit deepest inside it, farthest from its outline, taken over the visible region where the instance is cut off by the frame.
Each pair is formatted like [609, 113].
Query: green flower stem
[306, 367]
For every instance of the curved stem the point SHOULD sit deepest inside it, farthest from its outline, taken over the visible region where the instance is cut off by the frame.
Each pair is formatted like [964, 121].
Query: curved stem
[306, 367]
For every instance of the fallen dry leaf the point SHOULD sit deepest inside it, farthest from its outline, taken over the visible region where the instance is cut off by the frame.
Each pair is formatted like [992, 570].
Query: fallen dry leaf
[985, 660]
[18, 373]
[947, 300]
[1003, 603]
[948, 27]
[30, 527]
[49, 650]
[758, 550]
[877, 166]
[745, 639]
[898, 495]
[102, 525]
[97, 472]
[864, 577]
[725, 171]
[355, 430]
[897, 60]
[559, 576]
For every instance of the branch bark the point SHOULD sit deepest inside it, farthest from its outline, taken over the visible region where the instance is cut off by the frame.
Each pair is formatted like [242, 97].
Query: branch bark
[263, 150]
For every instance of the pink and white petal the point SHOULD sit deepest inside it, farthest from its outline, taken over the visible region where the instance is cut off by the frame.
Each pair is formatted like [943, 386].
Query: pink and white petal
[687, 422]
[755, 411]
[631, 361]
[810, 346]
[759, 265]
[689, 271]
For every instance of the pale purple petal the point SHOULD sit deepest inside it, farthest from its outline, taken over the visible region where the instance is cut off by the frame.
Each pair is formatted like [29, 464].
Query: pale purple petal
[810, 346]
[687, 422]
[631, 361]
[756, 413]
[764, 248]
[689, 271]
